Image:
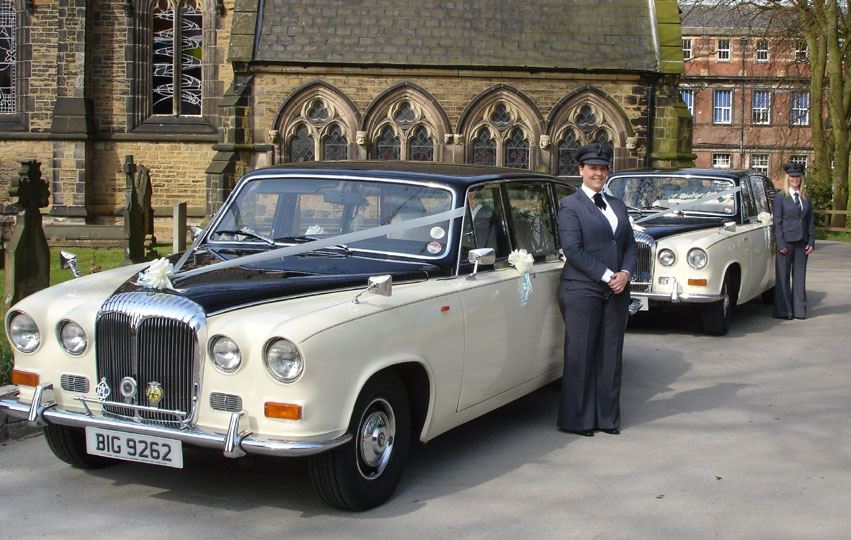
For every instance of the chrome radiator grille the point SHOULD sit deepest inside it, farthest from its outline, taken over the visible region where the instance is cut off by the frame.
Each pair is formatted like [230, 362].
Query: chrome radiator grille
[152, 338]
[646, 250]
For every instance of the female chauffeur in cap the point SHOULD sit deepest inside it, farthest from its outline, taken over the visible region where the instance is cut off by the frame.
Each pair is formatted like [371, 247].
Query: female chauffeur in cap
[795, 228]
[596, 237]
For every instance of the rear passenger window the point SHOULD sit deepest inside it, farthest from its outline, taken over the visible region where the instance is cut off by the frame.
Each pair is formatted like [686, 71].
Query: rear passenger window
[759, 194]
[532, 220]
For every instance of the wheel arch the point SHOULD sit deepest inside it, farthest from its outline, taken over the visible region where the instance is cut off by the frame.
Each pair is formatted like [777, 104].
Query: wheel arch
[419, 384]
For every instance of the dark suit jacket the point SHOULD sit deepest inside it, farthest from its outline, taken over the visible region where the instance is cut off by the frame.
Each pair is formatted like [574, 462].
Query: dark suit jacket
[588, 242]
[791, 224]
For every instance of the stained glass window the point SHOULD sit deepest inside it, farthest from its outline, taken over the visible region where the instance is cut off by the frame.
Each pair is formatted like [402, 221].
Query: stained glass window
[405, 115]
[517, 150]
[317, 112]
[301, 145]
[500, 115]
[335, 146]
[484, 148]
[387, 146]
[170, 77]
[421, 146]
[8, 57]
[567, 147]
[586, 120]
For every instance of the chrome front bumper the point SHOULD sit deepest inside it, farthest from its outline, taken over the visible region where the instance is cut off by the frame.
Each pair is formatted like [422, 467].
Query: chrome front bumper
[675, 296]
[237, 442]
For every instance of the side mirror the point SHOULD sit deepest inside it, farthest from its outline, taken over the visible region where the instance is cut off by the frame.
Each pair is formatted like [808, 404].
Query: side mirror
[485, 256]
[730, 226]
[68, 260]
[380, 285]
[196, 231]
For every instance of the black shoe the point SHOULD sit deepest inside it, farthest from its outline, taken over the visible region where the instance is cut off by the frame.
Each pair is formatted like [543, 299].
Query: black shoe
[613, 431]
[583, 432]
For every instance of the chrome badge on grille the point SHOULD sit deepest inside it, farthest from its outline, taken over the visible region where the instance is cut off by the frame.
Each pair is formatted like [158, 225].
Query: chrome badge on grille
[102, 390]
[154, 393]
[128, 388]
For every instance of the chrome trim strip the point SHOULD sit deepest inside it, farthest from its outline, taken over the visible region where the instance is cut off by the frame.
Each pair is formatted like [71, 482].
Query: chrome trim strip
[669, 297]
[247, 444]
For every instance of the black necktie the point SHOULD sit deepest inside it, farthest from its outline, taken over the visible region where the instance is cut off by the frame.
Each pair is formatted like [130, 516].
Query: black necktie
[798, 201]
[598, 200]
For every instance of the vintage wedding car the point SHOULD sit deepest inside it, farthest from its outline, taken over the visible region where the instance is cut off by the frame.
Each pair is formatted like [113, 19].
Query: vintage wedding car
[705, 238]
[332, 310]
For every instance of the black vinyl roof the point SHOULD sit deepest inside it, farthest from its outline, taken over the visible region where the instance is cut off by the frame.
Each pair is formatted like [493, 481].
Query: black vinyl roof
[731, 174]
[457, 175]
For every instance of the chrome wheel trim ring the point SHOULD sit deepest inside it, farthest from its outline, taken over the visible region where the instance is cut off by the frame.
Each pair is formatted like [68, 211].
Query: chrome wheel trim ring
[375, 438]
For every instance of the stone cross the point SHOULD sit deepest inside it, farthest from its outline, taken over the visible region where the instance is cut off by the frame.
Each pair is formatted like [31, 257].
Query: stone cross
[28, 255]
[134, 219]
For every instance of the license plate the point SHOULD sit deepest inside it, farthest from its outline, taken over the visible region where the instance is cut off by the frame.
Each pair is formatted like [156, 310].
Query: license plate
[133, 447]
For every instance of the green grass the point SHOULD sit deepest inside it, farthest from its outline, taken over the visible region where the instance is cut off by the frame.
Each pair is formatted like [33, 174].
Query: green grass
[89, 260]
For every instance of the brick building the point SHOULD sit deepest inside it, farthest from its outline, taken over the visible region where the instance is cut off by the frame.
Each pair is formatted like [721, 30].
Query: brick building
[746, 83]
[257, 82]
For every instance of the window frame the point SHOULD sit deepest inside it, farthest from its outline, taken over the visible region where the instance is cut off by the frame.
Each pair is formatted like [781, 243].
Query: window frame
[688, 45]
[724, 53]
[764, 112]
[716, 108]
[761, 53]
[802, 51]
[759, 168]
[716, 159]
[18, 119]
[799, 116]
[689, 102]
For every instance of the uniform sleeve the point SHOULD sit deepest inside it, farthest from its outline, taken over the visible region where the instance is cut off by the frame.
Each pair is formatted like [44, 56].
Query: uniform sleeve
[811, 227]
[572, 242]
[778, 220]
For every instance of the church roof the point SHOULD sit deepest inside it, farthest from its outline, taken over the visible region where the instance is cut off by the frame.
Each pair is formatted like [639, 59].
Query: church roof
[541, 34]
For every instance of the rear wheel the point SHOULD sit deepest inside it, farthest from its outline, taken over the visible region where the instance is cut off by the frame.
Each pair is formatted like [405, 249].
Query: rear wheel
[717, 316]
[69, 445]
[364, 472]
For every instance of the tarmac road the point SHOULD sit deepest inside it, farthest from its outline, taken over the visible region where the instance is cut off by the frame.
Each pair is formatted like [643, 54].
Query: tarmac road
[743, 436]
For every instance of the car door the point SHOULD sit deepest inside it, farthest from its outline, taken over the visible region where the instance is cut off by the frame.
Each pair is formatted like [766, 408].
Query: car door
[763, 254]
[754, 275]
[502, 329]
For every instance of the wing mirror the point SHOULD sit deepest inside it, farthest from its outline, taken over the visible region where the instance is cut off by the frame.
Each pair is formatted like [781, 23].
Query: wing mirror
[380, 285]
[68, 261]
[730, 226]
[196, 231]
[485, 256]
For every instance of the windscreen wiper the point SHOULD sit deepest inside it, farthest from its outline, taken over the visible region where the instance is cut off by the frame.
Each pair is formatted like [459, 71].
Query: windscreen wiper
[246, 233]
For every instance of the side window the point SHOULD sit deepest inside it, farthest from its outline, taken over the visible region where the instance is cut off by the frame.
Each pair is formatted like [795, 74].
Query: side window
[484, 223]
[759, 194]
[562, 191]
[748, 201]
[531, 217]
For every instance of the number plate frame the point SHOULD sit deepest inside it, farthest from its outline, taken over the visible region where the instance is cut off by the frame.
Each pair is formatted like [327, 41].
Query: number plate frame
[134, 447]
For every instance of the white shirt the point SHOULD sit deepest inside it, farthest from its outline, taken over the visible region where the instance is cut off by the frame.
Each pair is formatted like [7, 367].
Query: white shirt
[613, 221]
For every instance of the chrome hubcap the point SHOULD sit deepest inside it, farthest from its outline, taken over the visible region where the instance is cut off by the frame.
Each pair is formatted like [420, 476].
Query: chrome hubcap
[376, 435]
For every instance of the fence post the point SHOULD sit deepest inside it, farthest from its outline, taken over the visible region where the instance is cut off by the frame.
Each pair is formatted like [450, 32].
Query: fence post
[178, 233]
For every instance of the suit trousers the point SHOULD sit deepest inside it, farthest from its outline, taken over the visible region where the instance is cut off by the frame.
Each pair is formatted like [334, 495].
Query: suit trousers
[790, 293]
[595, 322]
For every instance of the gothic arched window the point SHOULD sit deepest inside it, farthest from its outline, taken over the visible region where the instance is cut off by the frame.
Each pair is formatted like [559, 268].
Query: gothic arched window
[421, 145]
[176, 78]
[388, 145]
[301, 145]
[567, 147]
[8, 57]
[517, 150]
[335, 146]
[484, 148]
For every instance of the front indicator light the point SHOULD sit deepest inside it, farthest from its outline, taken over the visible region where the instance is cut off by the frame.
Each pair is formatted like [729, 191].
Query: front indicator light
[25, 378]
[285, 411]
[697, 282]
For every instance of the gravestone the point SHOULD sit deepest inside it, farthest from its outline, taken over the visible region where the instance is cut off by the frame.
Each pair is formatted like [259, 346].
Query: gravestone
[143, 188]
[27, 254]
[134, 224]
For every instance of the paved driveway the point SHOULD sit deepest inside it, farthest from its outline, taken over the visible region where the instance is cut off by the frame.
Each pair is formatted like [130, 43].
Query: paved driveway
[743, 436]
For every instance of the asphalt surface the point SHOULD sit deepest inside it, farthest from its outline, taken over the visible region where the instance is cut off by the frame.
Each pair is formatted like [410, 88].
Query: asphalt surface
[742, 436]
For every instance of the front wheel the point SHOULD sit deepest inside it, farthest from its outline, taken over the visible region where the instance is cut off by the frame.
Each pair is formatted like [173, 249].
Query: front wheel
[69, 445]
[716, 317]
[364, 472]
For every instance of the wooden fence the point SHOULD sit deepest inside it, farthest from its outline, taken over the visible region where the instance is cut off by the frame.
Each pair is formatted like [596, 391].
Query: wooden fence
[824, 216]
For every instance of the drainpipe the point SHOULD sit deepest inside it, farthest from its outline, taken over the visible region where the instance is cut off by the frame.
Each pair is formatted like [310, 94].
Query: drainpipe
[744, 46]
[651, 120]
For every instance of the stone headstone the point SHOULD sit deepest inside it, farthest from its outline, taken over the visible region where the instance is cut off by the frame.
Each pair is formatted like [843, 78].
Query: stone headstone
[134, 219]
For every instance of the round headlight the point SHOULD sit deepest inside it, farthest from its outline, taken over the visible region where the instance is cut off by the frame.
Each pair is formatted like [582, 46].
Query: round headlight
[225, 354]
[697, 258]
[23, 332]
[667, 257]
[283, 360]
[72, 337]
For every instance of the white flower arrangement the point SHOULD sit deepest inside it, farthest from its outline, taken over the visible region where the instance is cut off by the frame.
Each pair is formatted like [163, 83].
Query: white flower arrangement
[521, 260]
[158, 275]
